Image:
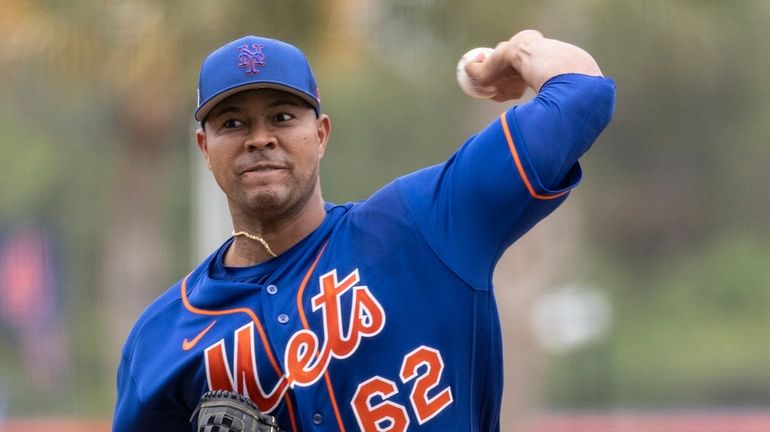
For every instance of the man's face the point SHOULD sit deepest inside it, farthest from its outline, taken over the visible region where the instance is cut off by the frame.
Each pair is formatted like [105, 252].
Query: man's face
[264, 148]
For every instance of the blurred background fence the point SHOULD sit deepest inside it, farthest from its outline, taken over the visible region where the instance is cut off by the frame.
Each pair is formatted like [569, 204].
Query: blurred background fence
[648, 292]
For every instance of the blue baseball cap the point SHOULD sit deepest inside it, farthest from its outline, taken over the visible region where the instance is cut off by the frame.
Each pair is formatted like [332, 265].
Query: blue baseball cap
[254, 62]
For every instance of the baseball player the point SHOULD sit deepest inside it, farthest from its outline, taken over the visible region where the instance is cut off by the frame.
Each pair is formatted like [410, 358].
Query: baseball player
[376, 315]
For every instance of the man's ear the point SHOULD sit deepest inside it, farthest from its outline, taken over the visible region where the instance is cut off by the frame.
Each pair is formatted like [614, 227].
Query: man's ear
[200, 139]
[324, 129]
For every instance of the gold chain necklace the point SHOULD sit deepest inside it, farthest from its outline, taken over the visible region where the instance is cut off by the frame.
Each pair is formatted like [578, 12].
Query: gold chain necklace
[256, 238]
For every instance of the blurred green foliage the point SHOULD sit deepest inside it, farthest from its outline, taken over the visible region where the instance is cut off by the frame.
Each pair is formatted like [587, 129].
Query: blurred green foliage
[96, 99]
[689, 331]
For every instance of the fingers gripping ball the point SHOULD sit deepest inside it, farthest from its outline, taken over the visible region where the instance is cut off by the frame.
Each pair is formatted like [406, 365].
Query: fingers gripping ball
[468, 84]
[226, 411]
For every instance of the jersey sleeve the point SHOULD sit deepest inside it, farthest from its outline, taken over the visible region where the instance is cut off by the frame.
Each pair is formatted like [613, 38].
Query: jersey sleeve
[150, 387]
[509, 176]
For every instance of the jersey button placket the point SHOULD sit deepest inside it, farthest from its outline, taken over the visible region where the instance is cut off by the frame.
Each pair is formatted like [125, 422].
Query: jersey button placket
[272, 290]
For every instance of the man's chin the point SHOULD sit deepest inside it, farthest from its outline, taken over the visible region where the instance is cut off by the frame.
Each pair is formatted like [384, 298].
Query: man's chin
[266, 200]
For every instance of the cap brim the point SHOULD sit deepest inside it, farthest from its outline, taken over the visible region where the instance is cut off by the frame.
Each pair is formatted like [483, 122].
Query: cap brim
[203, 110]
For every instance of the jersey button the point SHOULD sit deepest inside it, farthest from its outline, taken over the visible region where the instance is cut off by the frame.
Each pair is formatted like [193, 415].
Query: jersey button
[283, 318]
[272, 289]
[318, 418]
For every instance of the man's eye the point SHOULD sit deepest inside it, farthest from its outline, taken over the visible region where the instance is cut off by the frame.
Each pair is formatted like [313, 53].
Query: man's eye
[232, 123]
[282, 117]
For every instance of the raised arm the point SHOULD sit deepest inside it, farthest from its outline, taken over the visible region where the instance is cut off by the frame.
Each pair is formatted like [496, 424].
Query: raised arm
[529, 60]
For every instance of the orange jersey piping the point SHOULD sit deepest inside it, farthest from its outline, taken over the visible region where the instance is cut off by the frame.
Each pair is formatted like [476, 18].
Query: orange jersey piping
[520, 167]
[262, 335]
[305, 324]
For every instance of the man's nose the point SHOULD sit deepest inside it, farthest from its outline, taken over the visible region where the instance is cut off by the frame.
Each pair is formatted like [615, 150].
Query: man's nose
[260, 138]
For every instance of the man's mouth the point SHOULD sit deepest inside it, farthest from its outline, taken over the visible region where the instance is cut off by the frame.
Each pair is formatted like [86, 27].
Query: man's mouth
[261, 167]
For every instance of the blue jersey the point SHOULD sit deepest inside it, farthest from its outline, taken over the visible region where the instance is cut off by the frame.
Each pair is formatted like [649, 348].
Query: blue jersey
[384, 317]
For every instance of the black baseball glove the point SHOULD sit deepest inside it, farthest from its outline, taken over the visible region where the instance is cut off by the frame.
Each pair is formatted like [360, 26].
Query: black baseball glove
[226, 411]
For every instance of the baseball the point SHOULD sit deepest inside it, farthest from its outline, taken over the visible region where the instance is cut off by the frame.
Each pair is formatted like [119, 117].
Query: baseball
[468, 84]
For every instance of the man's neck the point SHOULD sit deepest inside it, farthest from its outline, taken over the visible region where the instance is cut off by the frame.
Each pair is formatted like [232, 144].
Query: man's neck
[279, 234]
